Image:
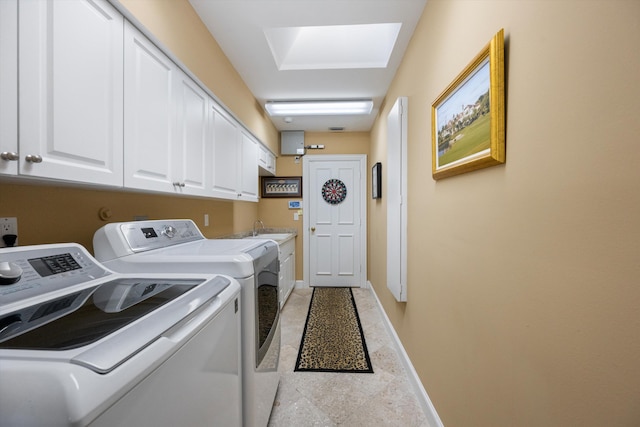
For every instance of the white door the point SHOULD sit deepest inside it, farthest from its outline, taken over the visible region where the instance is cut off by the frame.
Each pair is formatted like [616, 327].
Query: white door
[335, 222]
[70, 90]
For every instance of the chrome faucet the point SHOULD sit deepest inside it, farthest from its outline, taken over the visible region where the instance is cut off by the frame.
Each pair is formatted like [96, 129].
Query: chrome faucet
[256, 222]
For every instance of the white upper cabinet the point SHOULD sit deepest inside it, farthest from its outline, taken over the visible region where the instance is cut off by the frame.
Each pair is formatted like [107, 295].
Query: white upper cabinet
[166, 122]
[225, 132]
[266, 162]
[86, 97]
[234, 158]
[248, 167]
[70, 91]
[150, 119]
[9, 87]
[191, 142]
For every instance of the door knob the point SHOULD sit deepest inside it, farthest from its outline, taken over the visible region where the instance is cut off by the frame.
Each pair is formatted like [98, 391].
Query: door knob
[313, 229]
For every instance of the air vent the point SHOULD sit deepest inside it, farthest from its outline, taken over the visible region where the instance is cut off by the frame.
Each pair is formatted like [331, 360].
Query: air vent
[336, 128]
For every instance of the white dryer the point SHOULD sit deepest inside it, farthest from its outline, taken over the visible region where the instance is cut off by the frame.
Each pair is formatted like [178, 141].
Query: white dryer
[81, 345]
[173, 246]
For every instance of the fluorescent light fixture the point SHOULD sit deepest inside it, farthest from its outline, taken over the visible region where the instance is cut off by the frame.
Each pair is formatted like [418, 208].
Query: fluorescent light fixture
[319, 108]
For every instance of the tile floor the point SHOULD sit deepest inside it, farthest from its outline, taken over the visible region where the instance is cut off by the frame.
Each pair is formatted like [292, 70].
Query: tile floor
[384, 398]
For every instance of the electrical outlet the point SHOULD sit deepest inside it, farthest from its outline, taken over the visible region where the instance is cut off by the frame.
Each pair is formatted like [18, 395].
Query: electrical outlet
[8, 226]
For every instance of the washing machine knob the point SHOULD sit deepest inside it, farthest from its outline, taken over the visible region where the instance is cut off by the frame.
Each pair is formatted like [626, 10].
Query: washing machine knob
[169, 231]
[10, 273]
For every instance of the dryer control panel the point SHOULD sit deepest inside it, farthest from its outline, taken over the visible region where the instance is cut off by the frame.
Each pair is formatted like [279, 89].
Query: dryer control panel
[125, 238]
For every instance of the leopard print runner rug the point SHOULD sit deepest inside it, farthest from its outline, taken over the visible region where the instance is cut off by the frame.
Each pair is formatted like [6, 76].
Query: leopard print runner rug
[333, 340]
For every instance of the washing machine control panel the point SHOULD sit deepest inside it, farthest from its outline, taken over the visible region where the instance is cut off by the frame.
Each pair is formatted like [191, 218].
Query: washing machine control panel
[34, 270]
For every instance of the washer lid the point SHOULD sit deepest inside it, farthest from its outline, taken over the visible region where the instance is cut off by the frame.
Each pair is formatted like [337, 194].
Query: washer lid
[102, 326]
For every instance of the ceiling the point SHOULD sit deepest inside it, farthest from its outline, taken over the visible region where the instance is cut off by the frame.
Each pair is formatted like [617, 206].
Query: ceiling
[242, 28]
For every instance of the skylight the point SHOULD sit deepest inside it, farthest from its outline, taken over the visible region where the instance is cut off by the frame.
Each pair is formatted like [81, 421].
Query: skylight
[333, 46]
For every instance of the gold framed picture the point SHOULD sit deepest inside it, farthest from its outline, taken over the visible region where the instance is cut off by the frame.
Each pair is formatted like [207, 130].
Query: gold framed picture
[468, 118]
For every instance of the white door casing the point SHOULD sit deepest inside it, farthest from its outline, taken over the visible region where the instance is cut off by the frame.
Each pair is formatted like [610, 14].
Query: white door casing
[335, 234]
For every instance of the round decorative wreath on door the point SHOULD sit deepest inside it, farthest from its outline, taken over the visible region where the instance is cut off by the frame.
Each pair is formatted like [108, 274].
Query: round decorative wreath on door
[334, 191]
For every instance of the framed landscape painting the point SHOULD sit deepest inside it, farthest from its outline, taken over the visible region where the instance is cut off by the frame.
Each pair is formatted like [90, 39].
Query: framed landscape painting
[467, 119]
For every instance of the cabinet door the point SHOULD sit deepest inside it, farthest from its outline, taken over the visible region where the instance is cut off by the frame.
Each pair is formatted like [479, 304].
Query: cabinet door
[192, 106]
[225, 134]
[9, 87]
[266, 162]
[271, 163]
[248, 168]
[149, 127]
[70, 91]
[287, 278]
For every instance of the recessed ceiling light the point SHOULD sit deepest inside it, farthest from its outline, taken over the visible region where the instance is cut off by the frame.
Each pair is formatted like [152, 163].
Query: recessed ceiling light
[332, 46]
[319, 108]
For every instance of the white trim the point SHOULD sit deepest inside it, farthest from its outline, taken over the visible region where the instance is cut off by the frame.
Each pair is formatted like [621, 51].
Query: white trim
[423, 398]
[306, 160]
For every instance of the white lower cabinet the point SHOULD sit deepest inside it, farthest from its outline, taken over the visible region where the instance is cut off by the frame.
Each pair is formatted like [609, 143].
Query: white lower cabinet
[70, 91]
[287, 277]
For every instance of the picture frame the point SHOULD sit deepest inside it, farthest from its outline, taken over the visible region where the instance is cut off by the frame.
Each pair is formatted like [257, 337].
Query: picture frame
[468, 118]
[284, 186]
[376, 181]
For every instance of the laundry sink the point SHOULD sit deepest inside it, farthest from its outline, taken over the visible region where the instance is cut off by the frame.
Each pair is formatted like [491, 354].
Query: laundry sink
[278, 237]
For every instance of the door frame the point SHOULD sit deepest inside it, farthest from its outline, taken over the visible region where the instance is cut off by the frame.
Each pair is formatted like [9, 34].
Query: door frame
[306, 192]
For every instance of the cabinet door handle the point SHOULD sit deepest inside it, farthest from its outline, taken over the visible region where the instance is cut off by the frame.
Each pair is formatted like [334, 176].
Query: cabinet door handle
[313, 229]
[178, 184]
[33, 158]
[9, 155]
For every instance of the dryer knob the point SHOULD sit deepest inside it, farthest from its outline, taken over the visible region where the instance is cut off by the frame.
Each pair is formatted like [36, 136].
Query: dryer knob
[10, 273]
[169, 231]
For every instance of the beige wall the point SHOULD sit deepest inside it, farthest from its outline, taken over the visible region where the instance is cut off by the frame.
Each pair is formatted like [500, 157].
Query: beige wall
[53, 214]
[523, 292]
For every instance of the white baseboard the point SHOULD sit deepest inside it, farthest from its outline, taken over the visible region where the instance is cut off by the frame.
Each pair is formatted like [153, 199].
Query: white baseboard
[300, 284]
[423, 398]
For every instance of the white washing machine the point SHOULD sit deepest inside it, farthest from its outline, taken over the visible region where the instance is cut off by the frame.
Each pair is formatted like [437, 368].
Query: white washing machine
[172, 246]
[81, 345]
